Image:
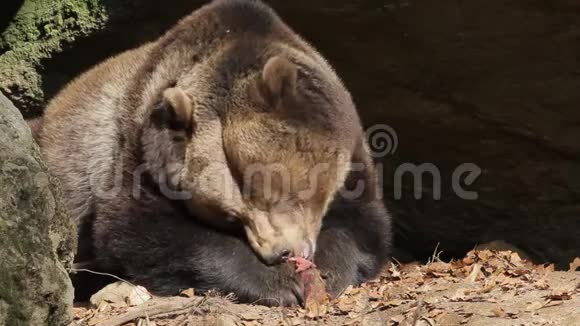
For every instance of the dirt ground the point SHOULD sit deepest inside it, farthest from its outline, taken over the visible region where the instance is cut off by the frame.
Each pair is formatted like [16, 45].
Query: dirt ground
[485, 288]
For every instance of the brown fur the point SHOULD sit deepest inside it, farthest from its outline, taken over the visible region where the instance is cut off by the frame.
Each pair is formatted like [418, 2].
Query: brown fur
[35, 126]
[229, 89]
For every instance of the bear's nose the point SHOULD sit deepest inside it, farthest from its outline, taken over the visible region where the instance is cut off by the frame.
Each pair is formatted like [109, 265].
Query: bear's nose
[278, 257]
[285, 254]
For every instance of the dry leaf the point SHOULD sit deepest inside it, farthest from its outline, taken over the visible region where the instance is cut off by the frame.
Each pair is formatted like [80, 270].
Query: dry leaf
[346, 304]
[489, 285]
[512, 313]
[498, 312]
[460, 295]
[436, 312]
[394, 272]
[316, 310]
[517, 272]
[550, 268]
[351, 290]
[554, 303]
[382, 290]
[397, 320]
[410, 267]
[103, 306]
[428, 320]
[393, 303]
[484, 254]
[250, 315]
[226, 320]
[438, 269]
[474, 273]
[559, 296]
[515, 259]
[575, 265]
[96, 321]
[121, 293]
[189, 293]
[541, 284]
[250, 323]
[431, 300]
[534, 306]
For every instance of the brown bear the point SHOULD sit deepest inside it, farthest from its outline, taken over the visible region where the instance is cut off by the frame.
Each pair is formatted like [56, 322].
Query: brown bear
[229, 122]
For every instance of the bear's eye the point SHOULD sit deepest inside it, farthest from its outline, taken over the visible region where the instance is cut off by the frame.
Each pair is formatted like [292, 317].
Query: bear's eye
[232, 216]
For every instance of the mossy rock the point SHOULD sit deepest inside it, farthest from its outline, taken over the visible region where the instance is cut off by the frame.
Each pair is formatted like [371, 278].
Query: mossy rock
[39, 29]
[37, 237]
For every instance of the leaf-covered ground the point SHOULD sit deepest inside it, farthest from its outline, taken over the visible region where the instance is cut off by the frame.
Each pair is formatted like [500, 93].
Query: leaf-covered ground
[485, 288]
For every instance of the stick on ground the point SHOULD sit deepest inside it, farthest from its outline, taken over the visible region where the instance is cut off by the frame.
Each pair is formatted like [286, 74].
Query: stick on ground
[153, 310]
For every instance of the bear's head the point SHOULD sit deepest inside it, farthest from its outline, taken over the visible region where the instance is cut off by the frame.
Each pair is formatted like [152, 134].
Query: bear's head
[267, 150]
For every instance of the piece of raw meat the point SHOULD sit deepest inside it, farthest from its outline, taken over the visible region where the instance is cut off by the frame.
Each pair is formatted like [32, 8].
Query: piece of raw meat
[315, 296]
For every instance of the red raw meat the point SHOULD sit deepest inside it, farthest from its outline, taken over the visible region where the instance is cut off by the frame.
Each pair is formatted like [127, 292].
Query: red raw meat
[315, 294]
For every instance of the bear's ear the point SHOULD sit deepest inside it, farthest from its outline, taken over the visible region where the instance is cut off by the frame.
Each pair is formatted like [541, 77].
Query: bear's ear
[175, 111]
[279, 79]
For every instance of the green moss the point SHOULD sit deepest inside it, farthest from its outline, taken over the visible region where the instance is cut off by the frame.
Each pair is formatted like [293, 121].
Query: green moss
[40, 29]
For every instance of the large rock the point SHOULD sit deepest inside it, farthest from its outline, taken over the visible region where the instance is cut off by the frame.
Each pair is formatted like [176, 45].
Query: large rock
[37, 238]
[487, 82]
[37, 29]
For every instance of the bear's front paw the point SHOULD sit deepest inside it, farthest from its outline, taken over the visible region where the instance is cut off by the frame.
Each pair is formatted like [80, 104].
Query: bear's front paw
[276, 286]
